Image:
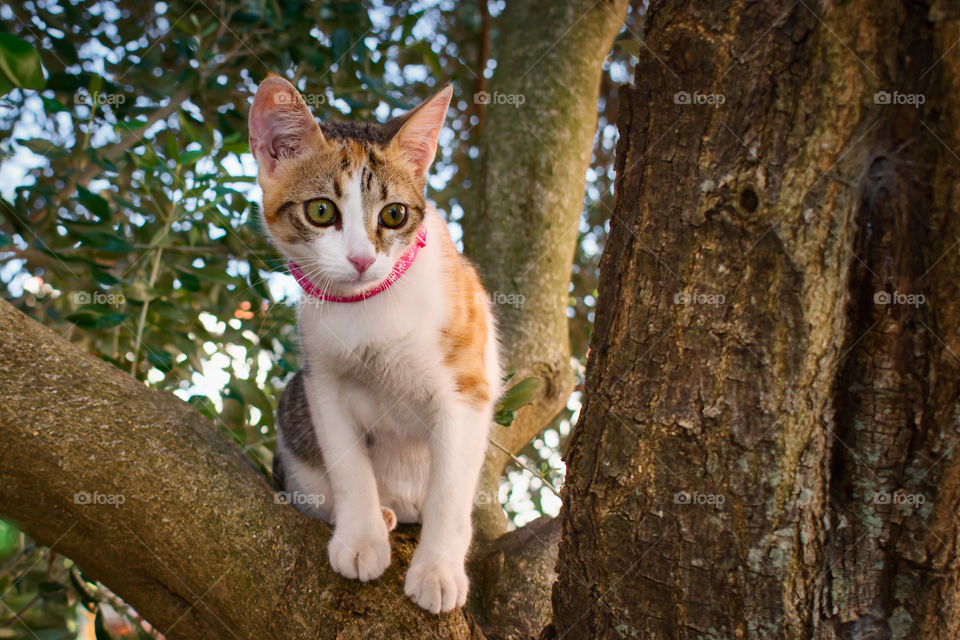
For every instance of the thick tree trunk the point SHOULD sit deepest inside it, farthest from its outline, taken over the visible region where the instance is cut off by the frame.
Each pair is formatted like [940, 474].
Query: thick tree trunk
[521, 230]
[766, 446]
[139, 490]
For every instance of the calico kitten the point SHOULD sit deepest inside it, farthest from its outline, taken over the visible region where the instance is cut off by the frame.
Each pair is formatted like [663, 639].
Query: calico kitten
[388, 419]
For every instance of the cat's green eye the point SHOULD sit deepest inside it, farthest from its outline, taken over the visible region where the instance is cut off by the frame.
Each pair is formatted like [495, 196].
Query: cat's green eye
[393, 215]
[321, 212]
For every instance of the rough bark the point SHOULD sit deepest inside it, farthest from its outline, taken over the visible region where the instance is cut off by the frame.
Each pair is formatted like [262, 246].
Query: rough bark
[521, 231]
[139, 489]
[519, 562]
[749, 406]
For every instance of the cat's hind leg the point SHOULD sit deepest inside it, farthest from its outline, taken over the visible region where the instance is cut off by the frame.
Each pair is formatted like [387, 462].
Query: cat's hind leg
[305, 487]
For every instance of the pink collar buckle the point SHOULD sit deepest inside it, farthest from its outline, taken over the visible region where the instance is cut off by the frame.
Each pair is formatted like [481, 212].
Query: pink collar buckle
[398, 270]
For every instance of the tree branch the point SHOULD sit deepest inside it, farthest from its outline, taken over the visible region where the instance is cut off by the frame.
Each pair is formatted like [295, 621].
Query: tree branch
[513, 577]
[139, 490]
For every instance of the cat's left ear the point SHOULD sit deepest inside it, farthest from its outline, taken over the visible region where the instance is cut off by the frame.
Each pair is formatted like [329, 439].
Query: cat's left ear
[416, 138]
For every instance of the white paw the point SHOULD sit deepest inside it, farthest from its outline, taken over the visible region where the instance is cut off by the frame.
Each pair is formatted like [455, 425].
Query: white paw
[364, 556]
[436, 585]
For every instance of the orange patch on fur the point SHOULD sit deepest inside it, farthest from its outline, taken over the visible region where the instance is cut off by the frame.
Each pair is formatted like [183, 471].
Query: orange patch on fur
[465, 336]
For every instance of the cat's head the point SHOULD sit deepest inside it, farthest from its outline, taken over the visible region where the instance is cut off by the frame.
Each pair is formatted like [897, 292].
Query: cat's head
[342, 200]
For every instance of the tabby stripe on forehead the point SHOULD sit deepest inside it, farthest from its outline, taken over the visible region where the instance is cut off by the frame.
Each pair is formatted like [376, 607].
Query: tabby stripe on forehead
[368, 180]
[337, 189]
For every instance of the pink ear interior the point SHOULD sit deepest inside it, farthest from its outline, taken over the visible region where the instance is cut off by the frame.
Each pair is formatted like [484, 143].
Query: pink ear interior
[417, 138]
[281, 125]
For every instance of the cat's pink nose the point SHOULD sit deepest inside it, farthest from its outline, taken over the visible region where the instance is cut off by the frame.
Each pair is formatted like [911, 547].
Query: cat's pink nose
[360, 263]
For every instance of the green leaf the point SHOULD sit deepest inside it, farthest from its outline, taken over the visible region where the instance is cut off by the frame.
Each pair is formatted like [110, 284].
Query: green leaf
[66, 50]
[252, 394]
[132, 125]
[43, 147]
[341, 43]
[409, 22]
[94, 203]
[161, 360]
[105, 242]
[19, 64]
[189, 281]
[173, 150]
[67, 82]
[104, 277]
[52, 105]
[169, 311]
[212, 274]
[92, 317]
[187, 158]
[519, 395]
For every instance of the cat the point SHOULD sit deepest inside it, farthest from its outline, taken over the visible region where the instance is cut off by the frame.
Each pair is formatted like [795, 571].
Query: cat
[388, 419]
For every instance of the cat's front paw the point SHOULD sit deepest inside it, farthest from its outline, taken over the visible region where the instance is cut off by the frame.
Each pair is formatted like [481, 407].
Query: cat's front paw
[437, 585]
[360, 556]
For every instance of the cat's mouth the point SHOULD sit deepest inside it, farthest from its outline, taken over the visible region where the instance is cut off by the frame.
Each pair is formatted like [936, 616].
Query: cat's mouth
[361, 281]
[355, 283]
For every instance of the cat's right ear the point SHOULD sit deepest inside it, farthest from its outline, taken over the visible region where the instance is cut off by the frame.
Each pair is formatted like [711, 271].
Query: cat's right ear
[281, 125]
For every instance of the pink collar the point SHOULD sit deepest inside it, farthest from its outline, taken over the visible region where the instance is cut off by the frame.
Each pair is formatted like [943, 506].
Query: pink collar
[398, 270]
